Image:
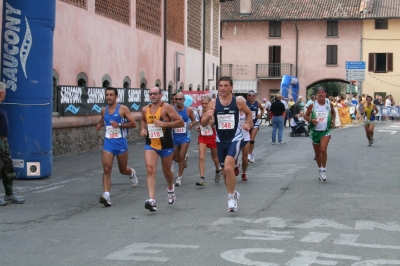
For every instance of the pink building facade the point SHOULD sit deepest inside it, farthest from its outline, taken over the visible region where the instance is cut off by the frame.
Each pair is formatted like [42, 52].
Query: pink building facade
[121, 43]
[263, 46]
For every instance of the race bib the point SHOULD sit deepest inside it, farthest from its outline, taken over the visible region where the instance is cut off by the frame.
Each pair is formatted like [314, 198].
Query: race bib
[253, 114]
[226, 122]
[322, 117]
[155, 131]
[113, 133]
[180, 129]
[206, 131]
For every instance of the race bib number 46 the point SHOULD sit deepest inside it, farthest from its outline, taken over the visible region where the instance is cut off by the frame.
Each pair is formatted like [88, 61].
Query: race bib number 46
[113, 133]
[155, 131]
[226, 121]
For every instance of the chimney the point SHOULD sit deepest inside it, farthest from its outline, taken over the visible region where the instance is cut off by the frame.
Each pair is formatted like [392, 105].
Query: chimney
[245, 7]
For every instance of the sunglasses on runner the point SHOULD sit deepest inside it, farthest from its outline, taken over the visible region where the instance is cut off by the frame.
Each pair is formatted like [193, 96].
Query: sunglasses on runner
[178, 99]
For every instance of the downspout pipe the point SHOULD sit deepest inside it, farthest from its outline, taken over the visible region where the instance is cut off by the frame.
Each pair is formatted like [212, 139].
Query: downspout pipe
[204, 44]
[297, 48]
[165, 52]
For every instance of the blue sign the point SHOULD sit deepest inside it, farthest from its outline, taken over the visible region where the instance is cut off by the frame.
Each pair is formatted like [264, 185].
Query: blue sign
[355, 65]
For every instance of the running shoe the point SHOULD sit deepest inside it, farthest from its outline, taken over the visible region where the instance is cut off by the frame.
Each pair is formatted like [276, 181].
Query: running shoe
[201, 182]
[319, 175]
[232, 202]
[244, 177]
[104, 199]
[2, 202]
[218, 176]
[150, 205]
[249, 157]
[253, 155]
[323, 175]
[13, 198]
[273, 143]
[372, 140]
[171, 196]
[236, 170]
[178, 181]
[186, 159]
[134, 179]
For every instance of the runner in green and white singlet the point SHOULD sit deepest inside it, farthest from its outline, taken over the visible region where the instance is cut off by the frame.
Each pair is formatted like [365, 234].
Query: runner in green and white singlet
[321, 116]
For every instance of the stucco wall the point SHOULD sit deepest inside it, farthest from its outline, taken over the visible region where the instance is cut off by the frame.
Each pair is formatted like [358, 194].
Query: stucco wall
[247, 45]
[382, 41]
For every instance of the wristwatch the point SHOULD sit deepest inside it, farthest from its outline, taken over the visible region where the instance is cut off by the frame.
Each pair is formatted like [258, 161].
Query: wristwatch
[119, 124]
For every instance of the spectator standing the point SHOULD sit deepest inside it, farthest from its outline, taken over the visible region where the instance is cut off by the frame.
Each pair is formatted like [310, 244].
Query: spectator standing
[278, 110]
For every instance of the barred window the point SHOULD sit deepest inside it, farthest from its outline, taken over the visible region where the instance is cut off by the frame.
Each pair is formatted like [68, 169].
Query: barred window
[194, 24]
[332, 28]
[79, 3]
[118, 10]
[331, 54]
[148, 16]
[274, 29]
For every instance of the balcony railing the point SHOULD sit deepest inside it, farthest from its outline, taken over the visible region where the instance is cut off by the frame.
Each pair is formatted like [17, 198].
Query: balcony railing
[273, 71]
[225, 70]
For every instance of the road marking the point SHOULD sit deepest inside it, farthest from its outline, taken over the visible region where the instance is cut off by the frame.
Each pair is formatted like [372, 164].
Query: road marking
[49, 189]
[311, 258]
[135, 248]
[351, 239]
[315, 237]
[390, 131]
[276, 222]
[238, 256]
[268, 235]
[28, 189]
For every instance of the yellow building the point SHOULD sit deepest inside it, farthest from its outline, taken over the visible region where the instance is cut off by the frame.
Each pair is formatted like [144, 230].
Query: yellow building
[381, 47]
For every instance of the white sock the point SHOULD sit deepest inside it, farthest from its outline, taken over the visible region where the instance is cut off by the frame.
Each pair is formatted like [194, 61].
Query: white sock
[171, 190]
[323, 169]
[231, 196]
[107, 194]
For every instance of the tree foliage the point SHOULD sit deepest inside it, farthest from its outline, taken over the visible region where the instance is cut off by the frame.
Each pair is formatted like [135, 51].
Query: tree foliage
[332, 88]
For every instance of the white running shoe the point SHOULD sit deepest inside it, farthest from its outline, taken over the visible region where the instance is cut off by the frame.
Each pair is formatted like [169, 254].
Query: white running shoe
[171, 196]
[319, 175]
[249, 158]
[150, 205]
[232, 202]
[323, 175]
[218, 176]
[178, 181]
[253, 155]
[371, 141]
[134, 179]
[104, 199]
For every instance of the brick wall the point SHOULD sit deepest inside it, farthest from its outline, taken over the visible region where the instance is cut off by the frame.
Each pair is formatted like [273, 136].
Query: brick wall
[208, 26]
[176, 21]
[118, 10]
[194, 24]
[148, 16]
[215, 27]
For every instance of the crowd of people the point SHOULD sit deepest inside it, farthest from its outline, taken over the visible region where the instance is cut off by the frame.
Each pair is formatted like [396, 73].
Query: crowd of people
[225, 124]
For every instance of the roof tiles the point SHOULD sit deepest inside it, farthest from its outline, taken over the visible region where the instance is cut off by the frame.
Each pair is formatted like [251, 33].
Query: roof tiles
[263, 10]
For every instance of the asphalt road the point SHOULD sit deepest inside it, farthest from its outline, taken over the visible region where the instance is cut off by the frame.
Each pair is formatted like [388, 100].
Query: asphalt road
[285, 215]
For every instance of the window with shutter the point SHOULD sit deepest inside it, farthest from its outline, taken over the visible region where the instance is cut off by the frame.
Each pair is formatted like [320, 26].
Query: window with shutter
[381, 24]
[274, 29]
[371, 62]
[332, 28]
[331, 54]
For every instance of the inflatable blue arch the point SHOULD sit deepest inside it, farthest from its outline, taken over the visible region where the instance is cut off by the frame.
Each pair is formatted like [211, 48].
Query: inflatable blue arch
[27, 71]
[287, 83]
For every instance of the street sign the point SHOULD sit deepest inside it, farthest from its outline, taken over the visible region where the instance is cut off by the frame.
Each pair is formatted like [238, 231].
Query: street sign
[355, 70]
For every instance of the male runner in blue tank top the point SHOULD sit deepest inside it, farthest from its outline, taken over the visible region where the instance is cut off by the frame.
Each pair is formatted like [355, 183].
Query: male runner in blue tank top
[225, 112]
[116, 119]
[181, 135]
[254, 106]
